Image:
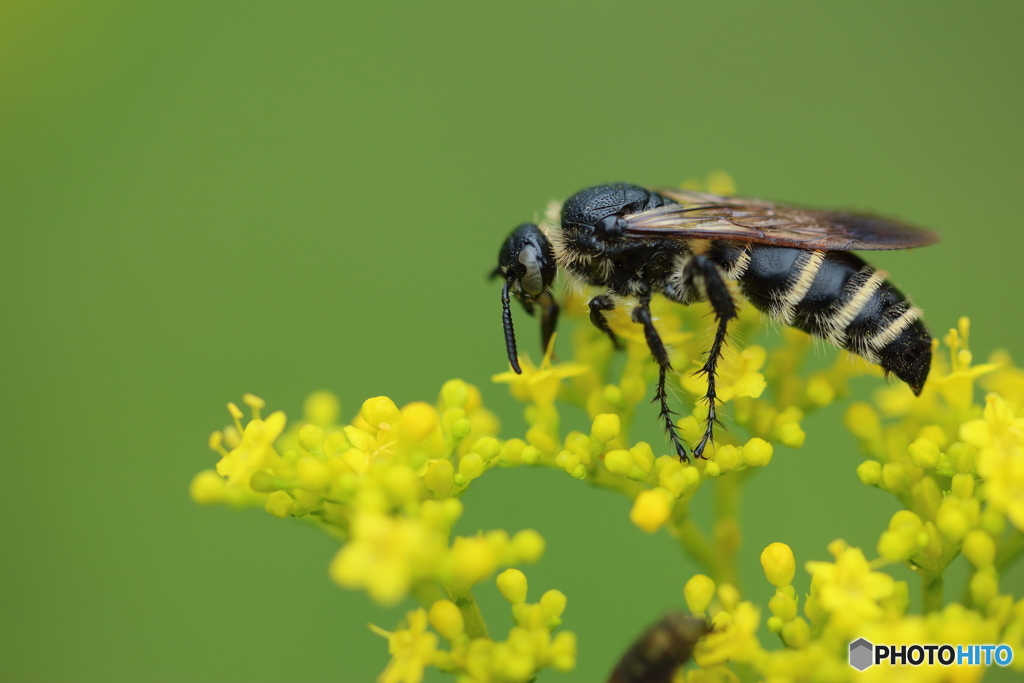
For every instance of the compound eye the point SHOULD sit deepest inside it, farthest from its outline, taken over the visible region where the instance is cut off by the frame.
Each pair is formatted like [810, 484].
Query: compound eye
[532, 279]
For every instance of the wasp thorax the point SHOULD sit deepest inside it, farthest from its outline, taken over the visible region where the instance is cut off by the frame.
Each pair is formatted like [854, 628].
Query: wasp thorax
[526, 259]
[598, 211]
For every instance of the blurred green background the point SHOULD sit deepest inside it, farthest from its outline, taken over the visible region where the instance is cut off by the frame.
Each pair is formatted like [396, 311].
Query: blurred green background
[199, 199]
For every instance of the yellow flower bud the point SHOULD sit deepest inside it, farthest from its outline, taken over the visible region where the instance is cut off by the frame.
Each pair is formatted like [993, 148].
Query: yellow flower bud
[446, 619]
[712, 469]
[952, 520]
[757, 452]
[699, 591]
[870, 472]
[819, 391]
[979, 548]
[779, 564]
[605, 428]
[619, 462]
[313, 473]
[528, 545]
[439, 477]
[471, 466]
[796, 633]
[454, 394]
[790, 434]
[379, 410]
[895, 547]
[563, 651]
[863, 421]
[322, 408]
[783, 605]
[487, 448]
[530, 454]
[924, 453]
[643, 456]
[418, 421]
[729, 596]
[651, 509]
[894, 476]
[553, 603]
[215, 441]
[207, 488]
[984, 585]
[963, 485]
[311, 437]
[512, 584]
[727, 457]
[280, 504]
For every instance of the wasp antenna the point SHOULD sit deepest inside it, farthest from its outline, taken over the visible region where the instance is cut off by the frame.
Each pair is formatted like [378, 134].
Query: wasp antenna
[510, 333]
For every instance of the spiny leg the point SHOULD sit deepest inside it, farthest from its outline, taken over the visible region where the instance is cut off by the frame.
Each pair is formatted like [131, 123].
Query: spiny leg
[642, 316]
[548, 319]
[702, 268]
[598, 305]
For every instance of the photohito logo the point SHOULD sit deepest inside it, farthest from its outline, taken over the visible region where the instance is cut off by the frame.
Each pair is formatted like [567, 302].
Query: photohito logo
[864, 654]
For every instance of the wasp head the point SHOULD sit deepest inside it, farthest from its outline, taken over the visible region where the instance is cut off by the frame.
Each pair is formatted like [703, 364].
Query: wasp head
[527, 264]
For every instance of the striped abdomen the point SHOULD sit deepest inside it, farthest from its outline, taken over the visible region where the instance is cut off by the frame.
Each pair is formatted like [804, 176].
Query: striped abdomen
[836, 296]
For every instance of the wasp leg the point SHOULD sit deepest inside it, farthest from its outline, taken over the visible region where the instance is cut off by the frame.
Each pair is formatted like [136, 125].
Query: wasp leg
[598, 305]
[642, 316]
[702, 269]
[548, 320]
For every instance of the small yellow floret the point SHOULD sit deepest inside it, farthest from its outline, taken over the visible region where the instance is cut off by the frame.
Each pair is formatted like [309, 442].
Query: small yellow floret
[756, 452]
[379, 410]
[322, 408]
[280, 504]
[528, 545]
[311, 437]
[979, 548]
[513, 586]
[313, 473]
[651, 510]
[605, 428]
[446, 619]
[870, 472]
[779, 564]
[207, 488]
[699, 591]
[553, 603]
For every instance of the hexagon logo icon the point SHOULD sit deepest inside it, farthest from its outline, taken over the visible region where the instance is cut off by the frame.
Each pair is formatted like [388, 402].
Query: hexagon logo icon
[861, 654]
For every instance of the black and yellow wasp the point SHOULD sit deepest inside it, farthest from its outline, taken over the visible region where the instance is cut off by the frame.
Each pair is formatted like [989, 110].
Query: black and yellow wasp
[791, 263]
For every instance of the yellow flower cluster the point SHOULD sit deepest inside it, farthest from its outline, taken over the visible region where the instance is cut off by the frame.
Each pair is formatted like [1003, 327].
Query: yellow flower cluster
[529, 647]
[956, 463]
[848, 599]
[387, 486]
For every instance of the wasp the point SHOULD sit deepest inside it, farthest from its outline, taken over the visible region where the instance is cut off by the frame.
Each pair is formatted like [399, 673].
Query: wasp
[793, 264]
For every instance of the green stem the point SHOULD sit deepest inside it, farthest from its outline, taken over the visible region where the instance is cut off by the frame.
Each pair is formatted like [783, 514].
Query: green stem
[694, 544]
[1010, 549]
[471, 616]
[931, 600]
[727, 528]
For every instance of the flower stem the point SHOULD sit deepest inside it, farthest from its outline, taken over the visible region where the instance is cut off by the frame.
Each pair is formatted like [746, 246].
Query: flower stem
[931, 599]
[694, 544]
[1010, 549]
[471, 616]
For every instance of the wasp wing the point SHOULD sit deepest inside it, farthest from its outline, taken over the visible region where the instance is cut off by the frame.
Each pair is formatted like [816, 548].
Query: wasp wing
[699, 215]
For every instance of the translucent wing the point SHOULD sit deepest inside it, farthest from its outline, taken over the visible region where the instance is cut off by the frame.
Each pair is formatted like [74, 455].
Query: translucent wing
[699, 215]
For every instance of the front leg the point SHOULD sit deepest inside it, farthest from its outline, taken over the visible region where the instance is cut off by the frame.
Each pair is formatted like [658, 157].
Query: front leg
[702, 274]
[598, 305]
[642, 316]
